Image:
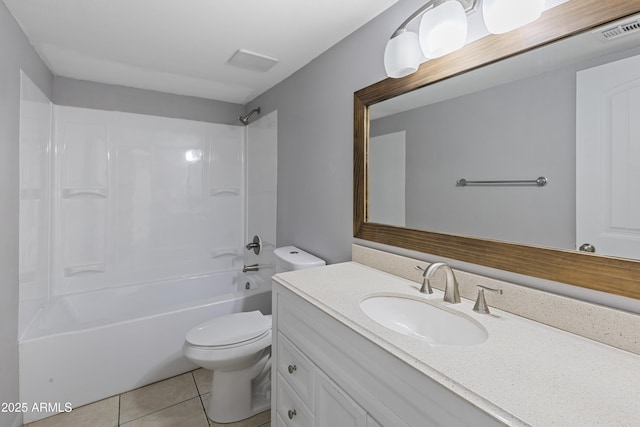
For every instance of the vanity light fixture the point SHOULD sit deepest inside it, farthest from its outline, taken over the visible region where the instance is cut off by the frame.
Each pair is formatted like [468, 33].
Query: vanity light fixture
[443, 29]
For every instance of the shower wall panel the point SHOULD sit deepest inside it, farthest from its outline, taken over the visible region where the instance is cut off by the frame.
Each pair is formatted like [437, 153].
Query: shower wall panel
[141, 198]
[35, 148]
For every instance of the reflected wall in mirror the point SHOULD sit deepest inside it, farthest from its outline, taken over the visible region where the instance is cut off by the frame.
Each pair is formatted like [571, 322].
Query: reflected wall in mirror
[512, 120]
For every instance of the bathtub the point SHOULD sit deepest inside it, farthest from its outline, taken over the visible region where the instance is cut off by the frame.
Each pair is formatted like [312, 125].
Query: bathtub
[89, 346]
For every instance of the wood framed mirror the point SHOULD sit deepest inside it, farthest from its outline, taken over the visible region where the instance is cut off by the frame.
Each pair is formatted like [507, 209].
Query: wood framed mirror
[620, 276]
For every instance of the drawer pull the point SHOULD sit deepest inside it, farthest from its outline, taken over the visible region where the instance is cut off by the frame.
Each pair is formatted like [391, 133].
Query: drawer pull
[291, 413]
[292, 369]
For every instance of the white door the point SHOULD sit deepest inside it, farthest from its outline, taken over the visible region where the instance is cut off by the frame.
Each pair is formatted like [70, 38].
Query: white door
[608, 158]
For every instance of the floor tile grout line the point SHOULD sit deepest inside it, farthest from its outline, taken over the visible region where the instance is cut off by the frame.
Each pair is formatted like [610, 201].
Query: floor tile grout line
[162, 409]
[119, 396]
[193, 377]
[154, 383]
[196, 381]
[166, 407]
[201, 401]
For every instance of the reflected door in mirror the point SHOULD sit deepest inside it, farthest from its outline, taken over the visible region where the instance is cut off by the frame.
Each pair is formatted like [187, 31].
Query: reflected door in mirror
[608, 158]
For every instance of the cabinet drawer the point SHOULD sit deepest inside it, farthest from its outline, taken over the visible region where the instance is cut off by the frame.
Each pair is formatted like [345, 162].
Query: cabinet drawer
[296, 369]
[290, 407]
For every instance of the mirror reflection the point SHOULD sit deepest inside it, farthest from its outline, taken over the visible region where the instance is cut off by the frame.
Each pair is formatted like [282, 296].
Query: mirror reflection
[569, 112]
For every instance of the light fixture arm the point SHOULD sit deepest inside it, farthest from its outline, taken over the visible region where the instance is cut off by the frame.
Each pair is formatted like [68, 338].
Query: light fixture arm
[468, 6]
[403, 27]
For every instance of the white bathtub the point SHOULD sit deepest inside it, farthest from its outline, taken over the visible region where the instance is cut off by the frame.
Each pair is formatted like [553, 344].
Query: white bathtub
[86, 347]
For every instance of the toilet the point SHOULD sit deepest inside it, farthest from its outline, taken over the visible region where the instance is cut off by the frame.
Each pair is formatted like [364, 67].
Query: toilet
[237, 348]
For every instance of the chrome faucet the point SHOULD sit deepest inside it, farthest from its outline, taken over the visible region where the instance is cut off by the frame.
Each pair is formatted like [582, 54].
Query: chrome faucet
[451, 291]
[252, 267]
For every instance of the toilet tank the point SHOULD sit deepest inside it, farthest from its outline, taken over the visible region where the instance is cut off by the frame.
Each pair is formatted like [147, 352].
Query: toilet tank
[289, 258]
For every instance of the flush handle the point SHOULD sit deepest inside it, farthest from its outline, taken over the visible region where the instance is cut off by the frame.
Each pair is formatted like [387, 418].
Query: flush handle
[292, 368]
[291, 413]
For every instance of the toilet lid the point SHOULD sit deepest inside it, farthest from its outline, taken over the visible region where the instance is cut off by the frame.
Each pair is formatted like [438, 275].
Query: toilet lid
[229, 329]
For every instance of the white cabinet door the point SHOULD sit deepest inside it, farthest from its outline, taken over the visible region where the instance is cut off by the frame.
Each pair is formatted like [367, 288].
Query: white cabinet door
[608, 158]
[334, 408]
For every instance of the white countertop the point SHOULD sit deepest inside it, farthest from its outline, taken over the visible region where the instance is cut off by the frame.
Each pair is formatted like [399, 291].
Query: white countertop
[525, 373]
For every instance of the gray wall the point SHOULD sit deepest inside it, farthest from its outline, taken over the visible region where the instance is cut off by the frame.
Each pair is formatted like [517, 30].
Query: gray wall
[520, 130]
[15, 53]
[315, 137]
[315, 153]
[101, 96]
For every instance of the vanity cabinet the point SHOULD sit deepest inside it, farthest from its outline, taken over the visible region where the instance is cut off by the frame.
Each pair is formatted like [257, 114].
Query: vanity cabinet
[325, 374]
[305, 396]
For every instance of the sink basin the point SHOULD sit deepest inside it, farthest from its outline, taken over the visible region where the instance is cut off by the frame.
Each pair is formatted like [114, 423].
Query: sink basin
[423, 321]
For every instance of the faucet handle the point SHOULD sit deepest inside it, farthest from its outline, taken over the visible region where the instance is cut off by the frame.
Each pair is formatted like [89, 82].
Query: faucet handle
[481, 304]
[426, 286]
[255, 245]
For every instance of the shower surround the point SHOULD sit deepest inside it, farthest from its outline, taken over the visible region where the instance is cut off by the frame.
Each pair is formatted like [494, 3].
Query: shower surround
[132, 231]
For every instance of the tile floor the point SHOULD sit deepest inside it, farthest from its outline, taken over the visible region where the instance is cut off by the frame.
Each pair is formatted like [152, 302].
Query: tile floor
[176, 402]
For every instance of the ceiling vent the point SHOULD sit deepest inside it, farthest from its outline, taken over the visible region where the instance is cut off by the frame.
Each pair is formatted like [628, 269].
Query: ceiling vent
[618, 30]
[252, 61]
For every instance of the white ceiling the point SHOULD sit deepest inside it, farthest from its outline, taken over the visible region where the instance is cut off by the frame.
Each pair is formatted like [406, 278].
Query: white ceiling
[182, 46]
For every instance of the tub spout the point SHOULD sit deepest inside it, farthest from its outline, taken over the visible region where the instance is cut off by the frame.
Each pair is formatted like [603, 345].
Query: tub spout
[252, 267]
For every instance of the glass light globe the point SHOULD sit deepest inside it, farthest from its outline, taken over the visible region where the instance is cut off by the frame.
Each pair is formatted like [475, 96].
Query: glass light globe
[402, 55]
[502, 16]
[443, 29]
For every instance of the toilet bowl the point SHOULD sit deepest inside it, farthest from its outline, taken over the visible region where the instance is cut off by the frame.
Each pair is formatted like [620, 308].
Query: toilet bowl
[237, 348]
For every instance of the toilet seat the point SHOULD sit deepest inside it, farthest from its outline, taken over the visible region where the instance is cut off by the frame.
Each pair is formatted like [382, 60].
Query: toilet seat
[230, 331]
[234, 345]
